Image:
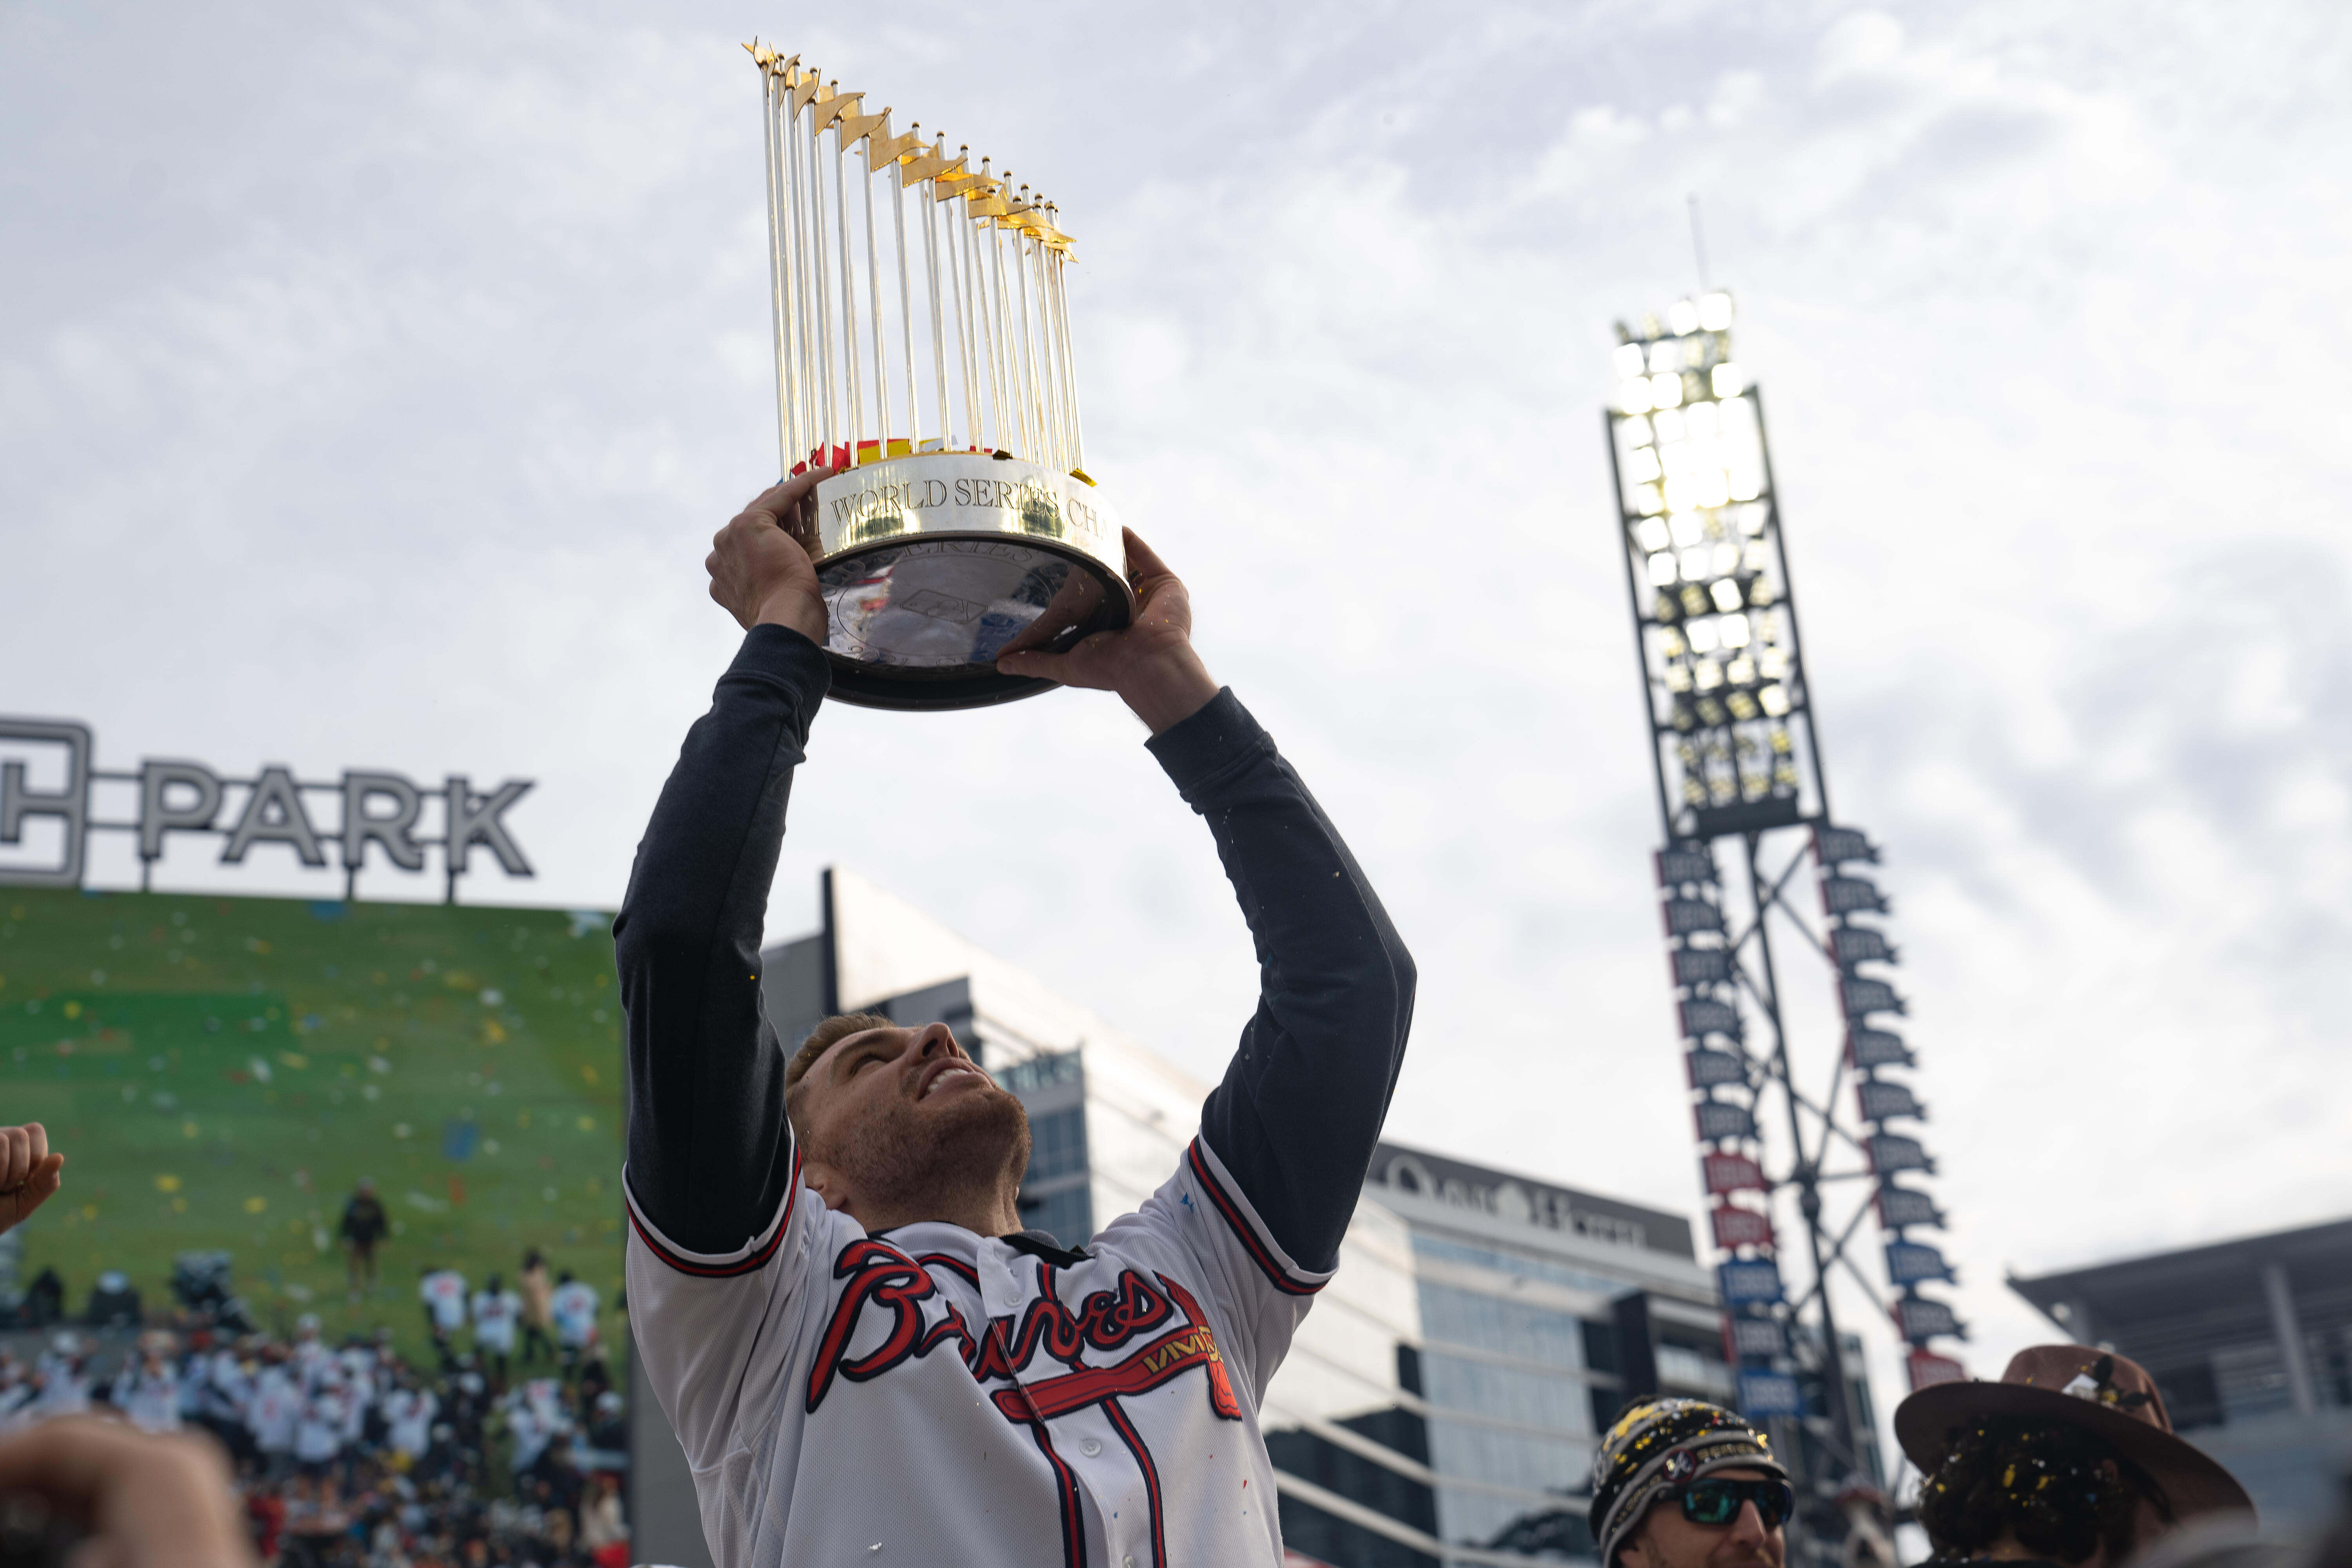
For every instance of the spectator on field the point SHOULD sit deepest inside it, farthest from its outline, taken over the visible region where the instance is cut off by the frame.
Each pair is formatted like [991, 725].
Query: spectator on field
[443, 1294]
[497, 1312]
[538, 1316]
[309, 1354]
[319, 1430]
[595, 1371]
[408, 1414]
[276, 1406]
[64, 1378]
[575, 1307]
[365, 1225]
[19, 1390]
[603, 1531]
[147, 1391]
[44, 1302]
[113, 1302]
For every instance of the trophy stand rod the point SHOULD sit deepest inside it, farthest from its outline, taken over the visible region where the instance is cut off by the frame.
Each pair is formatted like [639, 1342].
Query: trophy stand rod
[970, 322]
[1017, 324]
[855, 403]
[931, 271]
[776, 278]
[1040, 373]
[907, 314]
[1025, 364]
[1016, 419]
[874, 295]
[805, 359]
[949, 290]
[984, 323]
[1058, 271]
[1042, 443]
[794, 380]
[1069, 361]
[1050, 373]
[831, 426]
[963, 337]
[1069, 356]
[974, 319]
[984, 344]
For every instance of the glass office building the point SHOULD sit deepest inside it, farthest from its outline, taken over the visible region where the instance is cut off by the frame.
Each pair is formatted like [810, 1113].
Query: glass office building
[1439, 1403]
[2251, 1344]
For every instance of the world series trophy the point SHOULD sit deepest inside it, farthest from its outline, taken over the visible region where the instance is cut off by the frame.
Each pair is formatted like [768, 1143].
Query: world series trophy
[962, 522]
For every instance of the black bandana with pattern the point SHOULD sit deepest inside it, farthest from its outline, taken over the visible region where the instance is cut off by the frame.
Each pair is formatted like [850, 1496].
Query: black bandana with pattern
[1662, 1443]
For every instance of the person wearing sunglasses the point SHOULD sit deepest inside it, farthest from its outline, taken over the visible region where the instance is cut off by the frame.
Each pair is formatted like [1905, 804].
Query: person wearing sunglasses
[1680, 1483]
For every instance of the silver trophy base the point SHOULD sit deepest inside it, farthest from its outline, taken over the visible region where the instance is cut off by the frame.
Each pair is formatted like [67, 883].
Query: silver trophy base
[933, 564]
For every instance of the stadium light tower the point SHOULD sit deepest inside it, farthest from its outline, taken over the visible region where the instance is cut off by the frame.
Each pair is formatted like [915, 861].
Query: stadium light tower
[1737, 756]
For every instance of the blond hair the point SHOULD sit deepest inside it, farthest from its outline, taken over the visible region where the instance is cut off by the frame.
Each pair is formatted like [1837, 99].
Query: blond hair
[829, 1033]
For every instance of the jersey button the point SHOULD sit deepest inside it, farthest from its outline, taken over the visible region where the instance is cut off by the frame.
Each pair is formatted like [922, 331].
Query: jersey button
[1127, 1562]
[1090, 1448]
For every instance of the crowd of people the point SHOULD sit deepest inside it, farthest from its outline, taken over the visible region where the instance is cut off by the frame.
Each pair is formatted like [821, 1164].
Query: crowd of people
[508, 1449]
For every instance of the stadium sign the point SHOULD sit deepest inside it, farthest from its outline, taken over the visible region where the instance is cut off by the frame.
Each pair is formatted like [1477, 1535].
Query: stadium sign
[48, 779]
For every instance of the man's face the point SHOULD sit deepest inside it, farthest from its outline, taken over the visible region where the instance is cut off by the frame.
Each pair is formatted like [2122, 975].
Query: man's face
[898, 1116]
[1666, 1540]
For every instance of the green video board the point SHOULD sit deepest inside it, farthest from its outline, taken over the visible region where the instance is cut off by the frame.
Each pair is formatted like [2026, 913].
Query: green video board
[222, 1072]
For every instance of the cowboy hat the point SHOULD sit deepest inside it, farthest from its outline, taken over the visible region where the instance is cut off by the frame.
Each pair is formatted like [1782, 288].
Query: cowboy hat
[2097, 1392]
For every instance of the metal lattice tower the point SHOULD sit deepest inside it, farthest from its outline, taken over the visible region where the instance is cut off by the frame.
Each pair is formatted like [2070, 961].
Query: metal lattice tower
[1737, 758]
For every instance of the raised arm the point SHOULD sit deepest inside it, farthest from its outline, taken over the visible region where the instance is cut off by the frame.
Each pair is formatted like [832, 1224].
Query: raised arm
[710, 1152]
[1302, 1103]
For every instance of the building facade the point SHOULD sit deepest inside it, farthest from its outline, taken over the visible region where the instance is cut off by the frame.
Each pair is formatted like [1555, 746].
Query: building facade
[2249, 1342]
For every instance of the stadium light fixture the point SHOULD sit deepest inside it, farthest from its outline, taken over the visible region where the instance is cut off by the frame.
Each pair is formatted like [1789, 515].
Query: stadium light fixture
[1710, 585]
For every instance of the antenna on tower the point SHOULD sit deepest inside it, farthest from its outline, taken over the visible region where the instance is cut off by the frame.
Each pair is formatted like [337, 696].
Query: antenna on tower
[1698, 244]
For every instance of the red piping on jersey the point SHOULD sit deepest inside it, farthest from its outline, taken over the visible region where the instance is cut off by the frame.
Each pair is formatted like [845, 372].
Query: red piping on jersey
[748, 1264]
[1073, 1526]
[1134, 1441]
[1266, 1261]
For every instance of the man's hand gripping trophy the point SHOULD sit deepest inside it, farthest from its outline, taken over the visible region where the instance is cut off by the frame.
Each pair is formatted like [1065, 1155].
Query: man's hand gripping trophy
[761, 571]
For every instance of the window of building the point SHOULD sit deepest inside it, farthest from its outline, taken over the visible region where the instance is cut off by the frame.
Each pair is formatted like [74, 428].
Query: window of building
[1516, 1395]
[1041, 1071]
[1560, 1467]
[1506, 1328]
[1057, 1145]
[1512, 1261]
[1067, 1215]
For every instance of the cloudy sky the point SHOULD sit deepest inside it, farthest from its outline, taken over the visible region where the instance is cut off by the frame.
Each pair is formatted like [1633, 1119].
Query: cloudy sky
[372, 379]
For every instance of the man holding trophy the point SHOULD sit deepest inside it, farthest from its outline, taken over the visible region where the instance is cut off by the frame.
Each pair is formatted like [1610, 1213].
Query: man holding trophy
[864, 1357]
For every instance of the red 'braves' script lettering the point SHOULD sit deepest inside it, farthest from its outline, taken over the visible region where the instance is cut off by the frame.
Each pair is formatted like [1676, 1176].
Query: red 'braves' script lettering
[893, 1286]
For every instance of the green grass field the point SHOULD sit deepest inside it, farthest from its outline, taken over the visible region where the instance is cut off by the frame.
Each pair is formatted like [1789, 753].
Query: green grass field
[221, 1072]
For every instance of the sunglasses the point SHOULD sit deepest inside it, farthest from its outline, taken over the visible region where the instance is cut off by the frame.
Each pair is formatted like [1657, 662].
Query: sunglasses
[1716, 1502]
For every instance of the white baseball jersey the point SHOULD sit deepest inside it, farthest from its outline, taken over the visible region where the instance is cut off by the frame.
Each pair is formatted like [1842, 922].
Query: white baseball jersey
[319, 1431]
[573, 1306]
[495, 1313]
[149, 1397]
[275, 1406]
[931, 1396]
[409, 1412]
[444, 1291]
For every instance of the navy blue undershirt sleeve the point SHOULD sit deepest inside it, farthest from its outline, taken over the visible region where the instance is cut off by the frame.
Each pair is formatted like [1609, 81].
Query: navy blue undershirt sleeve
[1302, 1103]
[710, 1153]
